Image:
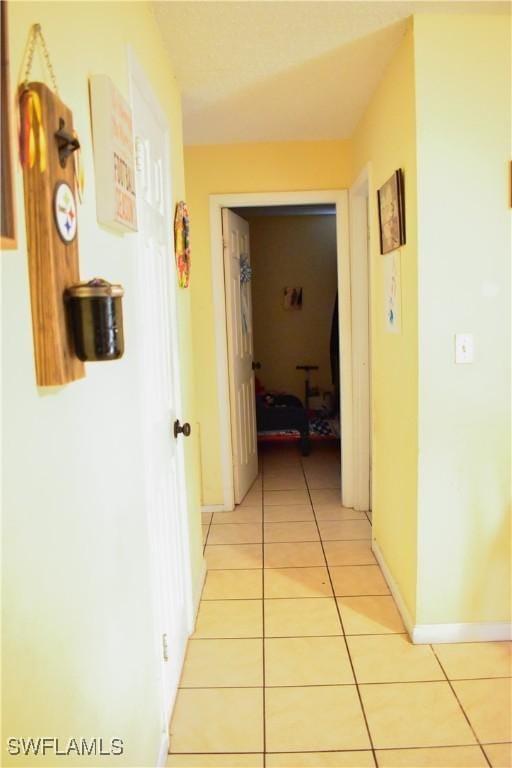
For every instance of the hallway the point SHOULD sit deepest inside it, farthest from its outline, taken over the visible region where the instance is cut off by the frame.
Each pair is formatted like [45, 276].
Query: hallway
[300, 657]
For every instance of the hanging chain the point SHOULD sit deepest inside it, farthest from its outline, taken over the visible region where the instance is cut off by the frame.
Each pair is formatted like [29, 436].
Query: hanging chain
[35, 34]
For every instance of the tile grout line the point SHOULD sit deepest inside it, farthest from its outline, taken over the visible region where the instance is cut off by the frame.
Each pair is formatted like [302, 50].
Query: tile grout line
[207, 534]
[326, 685]
[299, 541]
[291, 567]
[293, 597]
[341, 751]
[298, 520]
[292, 637]
[354, 634]
[460, 705]
[302, 685]
[342, 627]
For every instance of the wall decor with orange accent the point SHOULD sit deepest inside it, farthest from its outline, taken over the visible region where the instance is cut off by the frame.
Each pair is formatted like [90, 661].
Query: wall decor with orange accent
[47, 143]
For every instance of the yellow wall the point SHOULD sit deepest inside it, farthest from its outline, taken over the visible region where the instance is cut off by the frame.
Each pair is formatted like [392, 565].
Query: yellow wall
[279, 166]
[78, 653]
[464, 148]
[293, 251]
[441, 432]
[386, 139]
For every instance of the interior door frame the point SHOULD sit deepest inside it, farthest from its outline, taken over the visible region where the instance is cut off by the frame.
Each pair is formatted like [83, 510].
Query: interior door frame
[339, 198]
[360, 274]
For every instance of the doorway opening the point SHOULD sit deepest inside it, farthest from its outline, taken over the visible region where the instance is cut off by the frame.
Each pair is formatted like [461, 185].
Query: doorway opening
[289, 316]
[227, 398]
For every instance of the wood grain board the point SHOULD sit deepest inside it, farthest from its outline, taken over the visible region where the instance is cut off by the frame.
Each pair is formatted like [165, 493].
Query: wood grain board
[53, 264]
[7, 211]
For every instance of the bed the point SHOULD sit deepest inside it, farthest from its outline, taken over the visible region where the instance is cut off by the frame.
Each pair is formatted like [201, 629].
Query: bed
[284, 418]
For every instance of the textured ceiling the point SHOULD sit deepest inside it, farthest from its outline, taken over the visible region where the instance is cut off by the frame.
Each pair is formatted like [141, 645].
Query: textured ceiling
[271, 71]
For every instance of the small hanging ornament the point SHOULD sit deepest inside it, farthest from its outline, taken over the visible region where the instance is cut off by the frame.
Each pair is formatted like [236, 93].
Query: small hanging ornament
[245, 270]
[182, 243]
[245, 291]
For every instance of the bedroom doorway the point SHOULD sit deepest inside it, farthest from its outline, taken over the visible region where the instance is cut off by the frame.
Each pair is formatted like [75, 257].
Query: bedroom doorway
[289, 323]
[338, 198]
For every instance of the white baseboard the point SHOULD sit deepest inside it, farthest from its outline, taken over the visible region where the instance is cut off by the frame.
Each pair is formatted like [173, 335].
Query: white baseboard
[393, 588]
[214, 508]
[163, 753]
[441, 633]
[165, 743]
[462, 633]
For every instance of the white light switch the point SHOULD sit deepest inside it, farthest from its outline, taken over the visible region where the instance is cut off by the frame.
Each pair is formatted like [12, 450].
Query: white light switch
[464, 348]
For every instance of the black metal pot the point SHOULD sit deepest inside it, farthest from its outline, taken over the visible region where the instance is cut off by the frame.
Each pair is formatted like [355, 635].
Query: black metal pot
[96, 317]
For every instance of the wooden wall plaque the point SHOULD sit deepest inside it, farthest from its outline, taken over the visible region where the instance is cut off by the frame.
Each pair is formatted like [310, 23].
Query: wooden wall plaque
[53, 261]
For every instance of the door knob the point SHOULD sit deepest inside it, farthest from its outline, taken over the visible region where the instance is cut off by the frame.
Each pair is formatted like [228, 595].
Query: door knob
[256, 366]
[185, 430]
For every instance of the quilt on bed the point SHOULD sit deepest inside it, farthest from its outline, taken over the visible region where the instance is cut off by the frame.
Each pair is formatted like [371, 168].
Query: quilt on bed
[320, 427]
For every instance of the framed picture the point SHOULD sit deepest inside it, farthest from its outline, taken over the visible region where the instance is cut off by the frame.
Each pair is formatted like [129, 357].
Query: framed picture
[292, 298]
[8, 228]
[390, 198]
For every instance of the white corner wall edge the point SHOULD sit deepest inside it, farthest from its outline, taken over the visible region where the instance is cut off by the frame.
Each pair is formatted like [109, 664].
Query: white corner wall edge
[163, 753]
[393, 588]
[214, 508]
[421, 634]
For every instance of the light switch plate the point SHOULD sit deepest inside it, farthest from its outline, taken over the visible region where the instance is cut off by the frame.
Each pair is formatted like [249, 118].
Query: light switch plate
[464, 348]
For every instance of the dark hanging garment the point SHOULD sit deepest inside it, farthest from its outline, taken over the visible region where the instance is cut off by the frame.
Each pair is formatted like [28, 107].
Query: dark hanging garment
[335, 346]
[335, 356]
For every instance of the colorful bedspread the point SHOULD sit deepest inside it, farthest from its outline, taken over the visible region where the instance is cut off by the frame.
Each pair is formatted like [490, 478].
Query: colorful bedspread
[321, 427]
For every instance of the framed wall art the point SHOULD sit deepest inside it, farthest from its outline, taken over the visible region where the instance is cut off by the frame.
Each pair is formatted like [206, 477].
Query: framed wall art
[292, 298]
[391, 205]
[114, 157]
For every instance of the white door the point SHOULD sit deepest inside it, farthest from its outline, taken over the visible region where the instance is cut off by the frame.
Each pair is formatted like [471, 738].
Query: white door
[155, 297]
[235, 233]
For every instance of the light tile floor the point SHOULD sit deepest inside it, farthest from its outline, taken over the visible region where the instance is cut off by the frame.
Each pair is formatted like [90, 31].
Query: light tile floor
[300, 657]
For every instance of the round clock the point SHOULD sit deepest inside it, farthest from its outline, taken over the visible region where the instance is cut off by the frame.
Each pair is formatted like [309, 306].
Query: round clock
[64, 209]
